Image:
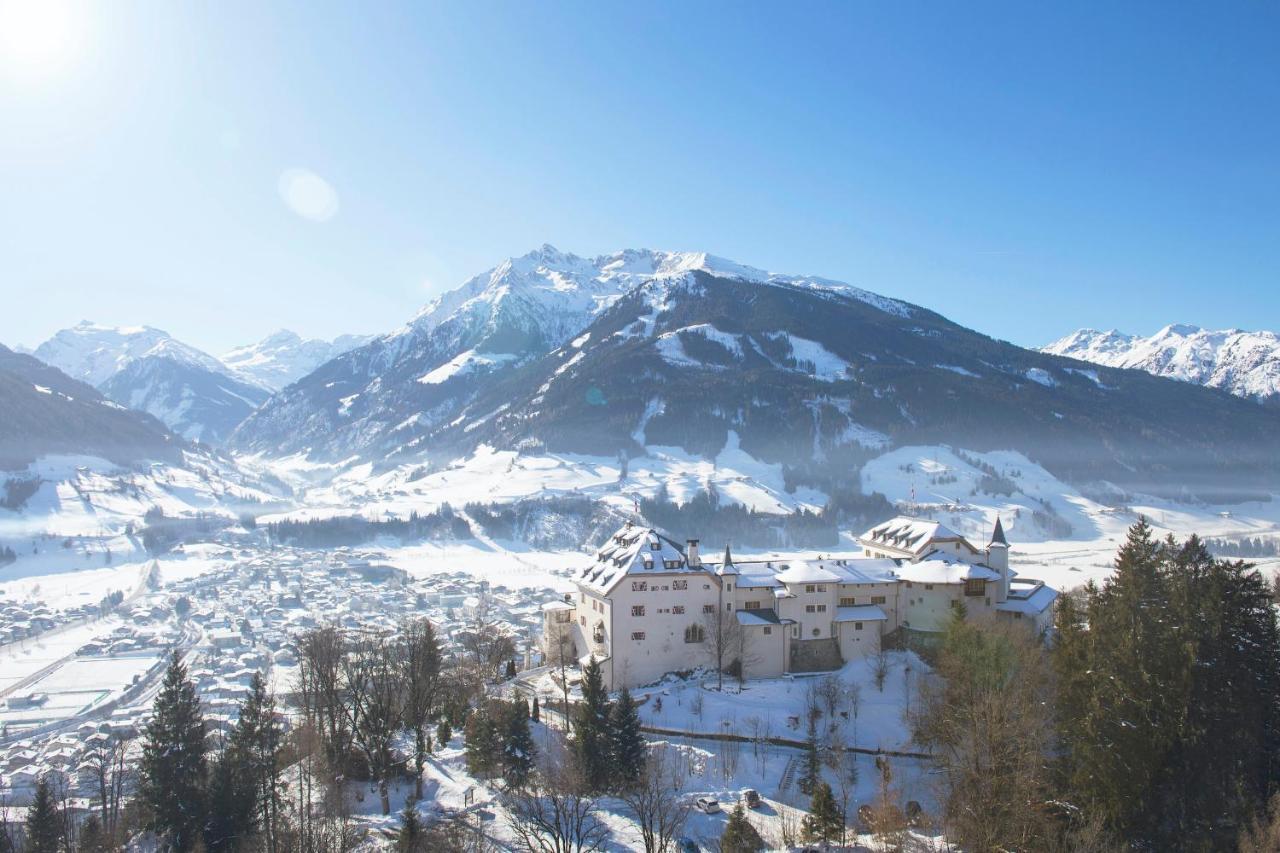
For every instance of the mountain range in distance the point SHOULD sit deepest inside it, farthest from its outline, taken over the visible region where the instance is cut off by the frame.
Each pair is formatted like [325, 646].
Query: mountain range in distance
[608, 356]
[200, 397]
[1245, 363]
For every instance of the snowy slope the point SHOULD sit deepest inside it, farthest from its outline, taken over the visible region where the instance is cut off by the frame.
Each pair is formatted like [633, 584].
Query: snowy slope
[148, 370]
[425, 373]
[1245, 363]
[284, 357]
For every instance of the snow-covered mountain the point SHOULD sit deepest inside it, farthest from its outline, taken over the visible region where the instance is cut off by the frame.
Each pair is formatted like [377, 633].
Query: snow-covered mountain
[1245, 363]
[611, 355]
[148, 370]
[284, 357]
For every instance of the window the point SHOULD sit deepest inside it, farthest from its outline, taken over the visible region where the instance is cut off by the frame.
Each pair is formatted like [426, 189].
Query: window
[767, 630]
[909, 585]
[822, 608]
[694, 634]
[637, 635]
[857, 626]
[708, 608]
[975, 586]
[564, 616]
[678, 609]
[988, 601]
[706, 586]
[955, 604]
[877, 599]
[729, 587]
[679, 584]
[751, 605]
[808, 587]
[655, 546]
[638, 586]
[848, 602]
[809, 608]
[648, 564]
[598, 633]
[637, 610]
[822, 587]
[928, 586]
[583, 619]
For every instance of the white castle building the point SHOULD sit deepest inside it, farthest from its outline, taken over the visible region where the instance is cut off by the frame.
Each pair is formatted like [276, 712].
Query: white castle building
[646, 606]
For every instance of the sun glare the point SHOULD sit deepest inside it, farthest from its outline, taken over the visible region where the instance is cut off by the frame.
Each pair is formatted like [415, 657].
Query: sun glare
[37, 37]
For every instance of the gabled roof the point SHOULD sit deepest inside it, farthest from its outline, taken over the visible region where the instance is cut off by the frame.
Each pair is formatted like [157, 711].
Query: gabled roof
[763, 616]
[860, 613]
[913, 536]
[1030, 597]
[632, 550]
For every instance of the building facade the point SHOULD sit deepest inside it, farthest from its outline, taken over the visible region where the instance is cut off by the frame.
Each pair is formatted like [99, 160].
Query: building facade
[646, 606]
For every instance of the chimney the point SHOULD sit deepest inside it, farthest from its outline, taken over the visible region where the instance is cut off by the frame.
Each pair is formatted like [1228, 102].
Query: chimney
[691, 553]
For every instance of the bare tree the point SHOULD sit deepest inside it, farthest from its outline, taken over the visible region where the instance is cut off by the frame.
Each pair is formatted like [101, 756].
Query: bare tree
[321, 693]
[880, 667]
[488, 640]
[562, 654]
[420, 669]
[113, 780]
[553, 813]
[722, 636]
[660, 811]
[375, 707]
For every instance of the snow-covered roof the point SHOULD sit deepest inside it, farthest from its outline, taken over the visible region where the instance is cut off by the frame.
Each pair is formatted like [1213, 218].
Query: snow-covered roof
[803, 572]
[756, 577]
[866, 570]
[913, 536]
[632, 550]
[860, 613]
[939, 568]
[557, 605]
[1031, 597]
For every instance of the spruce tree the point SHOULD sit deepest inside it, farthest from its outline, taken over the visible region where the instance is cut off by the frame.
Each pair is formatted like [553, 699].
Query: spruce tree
[257, 742]
[44, 821]
[92, 838]
[517, 743]
[627, 750]
[444, 733]
[537, 714]
[174, 760]
[482, 744]
[739, 835]
[409, 838]
[812, 760]
[229, 804]
[824, 823]
[591, 729]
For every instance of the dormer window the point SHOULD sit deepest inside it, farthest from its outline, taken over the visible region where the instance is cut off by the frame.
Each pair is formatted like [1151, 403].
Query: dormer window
[655, 546]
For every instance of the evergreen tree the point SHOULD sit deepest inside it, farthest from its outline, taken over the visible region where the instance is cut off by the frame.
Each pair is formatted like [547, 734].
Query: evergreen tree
[229, 804]
[537, 714]
[824, 823]
[409, 838]
[627, 750]
[257, 742]
[739, 835]
[92, 838]
[174, 760]
[517, 743]
[812, 760]
[591, 729]
[44, 821]
[483, 745]
[444, 733]
[511, 669]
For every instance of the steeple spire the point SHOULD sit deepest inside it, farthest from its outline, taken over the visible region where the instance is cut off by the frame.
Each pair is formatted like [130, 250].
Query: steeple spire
[997, 535]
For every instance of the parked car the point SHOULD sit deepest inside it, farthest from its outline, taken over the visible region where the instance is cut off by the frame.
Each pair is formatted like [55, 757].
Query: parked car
[751, 798]
[707, 805]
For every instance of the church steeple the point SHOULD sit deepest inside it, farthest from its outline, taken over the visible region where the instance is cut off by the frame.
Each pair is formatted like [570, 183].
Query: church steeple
[997, 535]
[726, 566]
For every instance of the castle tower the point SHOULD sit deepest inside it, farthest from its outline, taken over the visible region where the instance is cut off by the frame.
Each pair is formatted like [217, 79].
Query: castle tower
[998, 558]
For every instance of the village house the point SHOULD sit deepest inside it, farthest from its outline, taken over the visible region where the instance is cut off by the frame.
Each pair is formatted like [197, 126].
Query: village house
[647, 606]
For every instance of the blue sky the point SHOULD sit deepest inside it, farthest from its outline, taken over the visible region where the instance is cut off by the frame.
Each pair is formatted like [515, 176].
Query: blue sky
[1024, 169]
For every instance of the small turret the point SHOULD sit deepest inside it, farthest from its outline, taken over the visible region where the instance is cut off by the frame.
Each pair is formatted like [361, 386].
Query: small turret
[726, 566]
[998, 558]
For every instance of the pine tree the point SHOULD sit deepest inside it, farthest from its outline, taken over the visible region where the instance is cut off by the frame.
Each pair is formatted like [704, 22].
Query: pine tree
[517, 743]
[483, 745]
[229, 804]
[537, 714]
[739, 835]
[174, 760]
[409, 838]
[627, 750]
[824, 822]
[511, 669]
[257, 742]
[591, 729]
[812, 760]
[444, 733]
[92, 839]
[44, 821]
